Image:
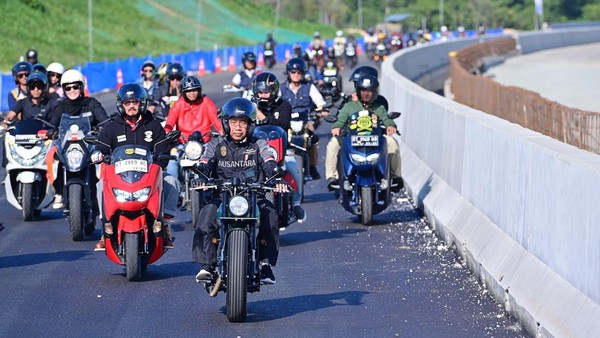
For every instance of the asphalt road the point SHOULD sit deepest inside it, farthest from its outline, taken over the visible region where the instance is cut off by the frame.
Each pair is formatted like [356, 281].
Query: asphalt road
[335, 278]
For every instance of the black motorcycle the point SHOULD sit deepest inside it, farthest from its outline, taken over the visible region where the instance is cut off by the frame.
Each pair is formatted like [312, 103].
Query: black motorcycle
[300, 140]
[350, 57]
[331, 89]
[269, 55]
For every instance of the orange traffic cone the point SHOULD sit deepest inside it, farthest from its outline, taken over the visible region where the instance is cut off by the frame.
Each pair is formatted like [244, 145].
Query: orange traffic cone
[217, 65]
[86, 92]
[201, 68]
[231, 67]
[119, 78]
[261, 60]
[358, 49]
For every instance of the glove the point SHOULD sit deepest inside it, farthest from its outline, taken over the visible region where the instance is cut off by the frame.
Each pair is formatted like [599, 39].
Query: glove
[42, 134]
[97, 157]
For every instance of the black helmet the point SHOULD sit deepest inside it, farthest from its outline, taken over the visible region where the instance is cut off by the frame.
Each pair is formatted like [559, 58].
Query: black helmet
[132, 91]
[250, 57]
[31, 54]
[296, 64]
[238, 107]
[38, 77]
[22, 66]
[363, 70]
[190, 83]
[265, 83]
[368, 82]
[174, 69]
[38, 67]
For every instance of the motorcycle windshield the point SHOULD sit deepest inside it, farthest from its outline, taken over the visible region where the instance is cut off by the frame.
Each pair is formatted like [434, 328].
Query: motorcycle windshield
[364, 129]
[131, 162]
[26, 127]
[73, 128]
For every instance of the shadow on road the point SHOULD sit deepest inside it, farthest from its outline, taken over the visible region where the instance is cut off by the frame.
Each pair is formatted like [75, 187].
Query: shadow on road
[296, 238]
[40, 258]
[286, 307]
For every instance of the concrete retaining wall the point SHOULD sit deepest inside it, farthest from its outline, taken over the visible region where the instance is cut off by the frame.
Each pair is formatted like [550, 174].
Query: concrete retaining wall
[520, 207]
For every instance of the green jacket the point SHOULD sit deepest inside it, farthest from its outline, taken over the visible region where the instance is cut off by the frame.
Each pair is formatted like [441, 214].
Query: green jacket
[355, 106]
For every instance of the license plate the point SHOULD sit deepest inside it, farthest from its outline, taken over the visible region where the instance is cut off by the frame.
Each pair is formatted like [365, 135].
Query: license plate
[131, 165]
[365, 140]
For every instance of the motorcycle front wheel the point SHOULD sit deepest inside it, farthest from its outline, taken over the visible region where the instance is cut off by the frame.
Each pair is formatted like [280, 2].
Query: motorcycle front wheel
[195, 196]
[27, 203]
[366, 205]
[237, 270]
[133, 261]
[76, 217]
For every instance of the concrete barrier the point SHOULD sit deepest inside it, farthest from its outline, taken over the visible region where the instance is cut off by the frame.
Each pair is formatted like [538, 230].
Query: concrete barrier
[518, 206]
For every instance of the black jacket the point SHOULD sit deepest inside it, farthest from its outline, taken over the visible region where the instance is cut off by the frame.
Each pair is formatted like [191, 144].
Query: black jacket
[278, 114]
[78, 107]
[147, 133]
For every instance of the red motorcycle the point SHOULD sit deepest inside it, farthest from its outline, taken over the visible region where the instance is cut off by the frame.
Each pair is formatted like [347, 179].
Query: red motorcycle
[131, 196]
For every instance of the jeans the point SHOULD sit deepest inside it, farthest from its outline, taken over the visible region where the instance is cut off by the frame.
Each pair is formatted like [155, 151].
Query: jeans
[292, 167]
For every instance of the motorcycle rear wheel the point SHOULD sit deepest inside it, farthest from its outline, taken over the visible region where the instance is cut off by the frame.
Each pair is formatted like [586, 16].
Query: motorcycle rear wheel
[237, 270]
[366, 205]
[27, 203]
[76, 218]
[195, 196]
[133, 261]
[300, 164]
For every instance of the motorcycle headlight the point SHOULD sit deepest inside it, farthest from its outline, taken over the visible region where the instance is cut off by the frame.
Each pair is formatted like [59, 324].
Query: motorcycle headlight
[136, 196]
[296, 126]
[238, 206]
[193, 150]
[360, 159]
[74, 157]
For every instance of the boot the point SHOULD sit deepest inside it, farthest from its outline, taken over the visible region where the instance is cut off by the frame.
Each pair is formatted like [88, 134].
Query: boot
[167, 238]
[101, 245]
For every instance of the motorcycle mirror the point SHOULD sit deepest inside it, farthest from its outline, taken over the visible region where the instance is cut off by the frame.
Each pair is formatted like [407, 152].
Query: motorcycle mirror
[394, 115]
[277, 172]
[330, 119]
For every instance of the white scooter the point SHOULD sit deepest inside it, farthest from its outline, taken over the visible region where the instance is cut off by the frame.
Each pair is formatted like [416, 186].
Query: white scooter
[27, 187]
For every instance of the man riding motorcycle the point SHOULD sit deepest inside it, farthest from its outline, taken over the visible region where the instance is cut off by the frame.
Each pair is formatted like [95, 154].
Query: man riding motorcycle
[339, 46]
[243, 79]
[20, 72]
[135, 125]
[303, 97]
[168, 93]
[367, 87]
[273, 110]
[237, 155]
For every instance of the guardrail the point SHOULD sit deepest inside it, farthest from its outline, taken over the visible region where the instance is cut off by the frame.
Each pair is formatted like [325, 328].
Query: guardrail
[518, 206]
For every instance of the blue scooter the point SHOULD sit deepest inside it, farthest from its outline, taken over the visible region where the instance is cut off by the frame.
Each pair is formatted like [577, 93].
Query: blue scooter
[363, 166]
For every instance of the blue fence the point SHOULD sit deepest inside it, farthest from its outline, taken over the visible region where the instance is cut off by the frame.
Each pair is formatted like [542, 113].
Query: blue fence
[103, 75]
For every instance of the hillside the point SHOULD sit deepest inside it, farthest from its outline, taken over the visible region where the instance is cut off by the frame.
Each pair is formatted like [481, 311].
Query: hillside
[58, 29]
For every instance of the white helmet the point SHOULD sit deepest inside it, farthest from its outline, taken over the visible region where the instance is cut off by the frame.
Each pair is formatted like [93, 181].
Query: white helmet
[339, 33]
[56, 67]
[71, 76]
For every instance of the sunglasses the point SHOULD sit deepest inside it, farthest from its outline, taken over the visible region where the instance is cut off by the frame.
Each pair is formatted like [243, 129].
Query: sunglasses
[176, 78]
[22, 75]
[73, 87]
[295, 72]
[52, 74]
[148, 70]
[35, 86]
[131, 102]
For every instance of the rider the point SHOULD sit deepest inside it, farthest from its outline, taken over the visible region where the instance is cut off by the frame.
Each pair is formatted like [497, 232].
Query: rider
[303, 97]
[370, 40]
[74, 103]
[356, 74]
[367, 87]
[135, 125]
[193, 111]
[273, 110]
[20, 72]
[168, 93]
[237, 154]
[55, 72]
[270, 44]
[38, 102]
[148, 77]
[243, 79]
[339, 46]
[32, 56]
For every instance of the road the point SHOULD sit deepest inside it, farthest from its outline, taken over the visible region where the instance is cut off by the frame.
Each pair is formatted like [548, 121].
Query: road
[335, 278]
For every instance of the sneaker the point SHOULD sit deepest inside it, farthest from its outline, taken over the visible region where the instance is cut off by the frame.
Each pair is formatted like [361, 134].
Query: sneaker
[333, 184]
[58, 202]
[314, 173]
[167, 238]
[397, 184]
[266, 275]
[205, 274]
[101, 245]
[299, 212]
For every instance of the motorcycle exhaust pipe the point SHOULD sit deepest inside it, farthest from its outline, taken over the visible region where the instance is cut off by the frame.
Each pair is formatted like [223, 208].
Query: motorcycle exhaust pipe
[216, 287]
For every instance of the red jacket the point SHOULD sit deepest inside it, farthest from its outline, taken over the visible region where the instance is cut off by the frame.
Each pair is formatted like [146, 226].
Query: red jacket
[198, 116]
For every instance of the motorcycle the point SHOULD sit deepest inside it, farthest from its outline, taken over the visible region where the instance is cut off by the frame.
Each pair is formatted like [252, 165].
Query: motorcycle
[26, 185]
[395, 44]
[269, 55]
[381, 53]
[364, 171]
[131, 201]
[317, 57]
[300, 140]
[237, 270]
[276, 138]
[350, 57]
[331, 89]
[73, 154]
[189, 155]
